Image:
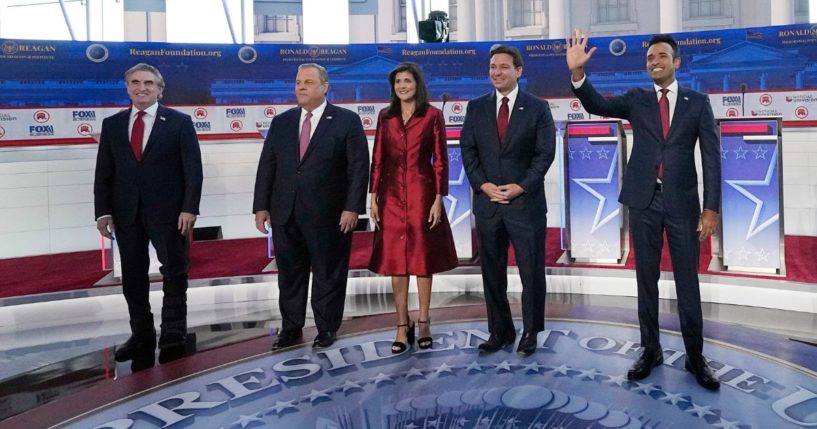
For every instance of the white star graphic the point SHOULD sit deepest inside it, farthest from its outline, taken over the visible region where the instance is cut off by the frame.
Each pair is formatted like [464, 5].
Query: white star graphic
[562, 369]
[762, 255]
[414, 372]
[462, 421]
[585, 153]
[504, 366]
[589, 374]
[532, 367]
[570, 153]
[280, 407]
[754, 228]
[603, 153]
[604, 247]
[743, 253]
[452, 210]
[598, 222]
[349, 385]
[740, 152]
[700, 411]
[245, 421]
[381, 378]
[645, 388]
[726, 424]
[723, 153]
[473, 366]
[453, 155]
[443, 369]
[760, 153]
[433, 423]
[588, 245]
[673, 398]
[316, 395]
[617, 379]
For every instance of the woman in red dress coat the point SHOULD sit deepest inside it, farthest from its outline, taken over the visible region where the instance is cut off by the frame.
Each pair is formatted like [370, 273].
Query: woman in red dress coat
[409, 180]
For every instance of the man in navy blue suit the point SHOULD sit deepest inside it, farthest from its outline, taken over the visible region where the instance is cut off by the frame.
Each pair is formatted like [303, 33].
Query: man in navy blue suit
[147, 190]
[661, 190]
[508, 144]
[310, 187]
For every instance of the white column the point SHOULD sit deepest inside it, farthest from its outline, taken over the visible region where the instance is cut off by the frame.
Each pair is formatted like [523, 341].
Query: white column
[326, 22]
[781, 12]
[247, 22]
[558, 18]
[481, 21]
[466, 18]
[413, 10]
[671, 16]
[812, 10]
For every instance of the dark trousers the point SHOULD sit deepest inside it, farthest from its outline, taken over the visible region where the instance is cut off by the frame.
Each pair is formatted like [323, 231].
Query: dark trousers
[172, 249]
[647, 227]
[324, 251]
[529, 248]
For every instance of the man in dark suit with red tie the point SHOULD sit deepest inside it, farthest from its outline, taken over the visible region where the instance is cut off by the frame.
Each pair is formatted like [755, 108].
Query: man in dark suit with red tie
[310, 187]
[661, 189]
[147, 190]
[508, 144]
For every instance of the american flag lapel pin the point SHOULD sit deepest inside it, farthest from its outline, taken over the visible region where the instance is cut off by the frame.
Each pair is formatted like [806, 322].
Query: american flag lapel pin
[521, 107]
[161, 118]
[328, 117]
[686, 98]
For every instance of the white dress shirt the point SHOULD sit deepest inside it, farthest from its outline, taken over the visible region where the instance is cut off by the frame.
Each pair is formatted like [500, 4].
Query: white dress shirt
[316, 116]
[149, 119]
[511, 100]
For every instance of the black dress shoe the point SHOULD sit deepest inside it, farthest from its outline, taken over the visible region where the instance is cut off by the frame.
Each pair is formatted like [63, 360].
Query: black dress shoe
[703, 374]
[173, 346]
[497, 342]
[324, 339]
[287, 338]
[527, 345]
[137, 346]
[648, 360]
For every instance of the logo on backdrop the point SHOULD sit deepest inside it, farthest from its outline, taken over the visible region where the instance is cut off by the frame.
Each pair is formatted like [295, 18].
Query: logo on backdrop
[456, 108]
[2, 132]
[85, 129]
[269, 111]
[97, 53]
[765, 99]
[236, 125]
[41, 116]
[236, 112]
[577, 378]
[617, 47]
[732, 112]
[247, 54]
[83, 115]
[575, 105]
[199, 113]
[801, 112]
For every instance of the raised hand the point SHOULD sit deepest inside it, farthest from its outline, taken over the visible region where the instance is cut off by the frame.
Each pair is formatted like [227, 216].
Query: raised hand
[577, 54]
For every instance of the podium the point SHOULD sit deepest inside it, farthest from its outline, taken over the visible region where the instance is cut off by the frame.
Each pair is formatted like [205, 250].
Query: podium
[751, 236]
[594, 155]
[458, 205]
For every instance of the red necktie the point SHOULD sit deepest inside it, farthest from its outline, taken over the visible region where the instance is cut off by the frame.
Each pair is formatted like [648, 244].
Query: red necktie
[137, 134]
[502, 120]
[663, 108]
[306, 129]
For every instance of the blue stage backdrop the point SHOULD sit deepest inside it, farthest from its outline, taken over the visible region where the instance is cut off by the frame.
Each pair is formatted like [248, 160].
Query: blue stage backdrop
[59, 91]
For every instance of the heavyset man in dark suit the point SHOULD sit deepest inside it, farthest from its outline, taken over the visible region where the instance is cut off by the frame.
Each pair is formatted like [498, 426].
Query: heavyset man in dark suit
[310, 187]
[508, 144]
[661, 189]
[147, 190]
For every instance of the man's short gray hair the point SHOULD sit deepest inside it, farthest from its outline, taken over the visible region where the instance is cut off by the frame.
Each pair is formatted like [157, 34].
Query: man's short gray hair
[160, 81]
[321, 70]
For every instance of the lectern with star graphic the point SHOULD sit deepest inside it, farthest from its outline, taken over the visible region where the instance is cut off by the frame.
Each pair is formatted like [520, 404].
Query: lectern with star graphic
[594, 153]
[751, 236]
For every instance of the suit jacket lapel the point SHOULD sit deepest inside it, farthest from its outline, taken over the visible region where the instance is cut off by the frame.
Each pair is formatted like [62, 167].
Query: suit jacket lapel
[490, 114]
[323, 123]
[156, 131]
[517, 117]
[681, 108]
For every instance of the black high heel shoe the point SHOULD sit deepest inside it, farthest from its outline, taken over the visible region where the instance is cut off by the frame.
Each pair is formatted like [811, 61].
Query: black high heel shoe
[397, 347]
[424, 342]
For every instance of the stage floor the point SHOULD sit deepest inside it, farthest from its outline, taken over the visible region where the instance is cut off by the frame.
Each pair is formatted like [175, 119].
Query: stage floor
[576, 378]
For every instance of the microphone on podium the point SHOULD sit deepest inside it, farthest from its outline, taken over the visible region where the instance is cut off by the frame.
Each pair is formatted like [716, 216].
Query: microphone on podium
[445, 98]
[743, 88]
